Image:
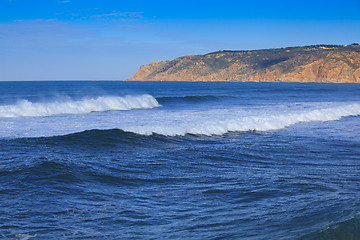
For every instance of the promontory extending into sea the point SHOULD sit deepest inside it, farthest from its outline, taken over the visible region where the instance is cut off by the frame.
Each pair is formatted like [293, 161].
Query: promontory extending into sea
[316, 63]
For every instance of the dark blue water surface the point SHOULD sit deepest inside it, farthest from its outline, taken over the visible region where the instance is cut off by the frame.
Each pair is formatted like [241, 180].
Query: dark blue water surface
[295, 181]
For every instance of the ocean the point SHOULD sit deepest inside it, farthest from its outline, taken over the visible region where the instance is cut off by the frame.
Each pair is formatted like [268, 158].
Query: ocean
[179, 160]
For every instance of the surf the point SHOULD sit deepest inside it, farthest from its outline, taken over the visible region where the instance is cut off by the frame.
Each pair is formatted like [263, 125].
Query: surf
[181, 122]
[26, 108]
[222, 121]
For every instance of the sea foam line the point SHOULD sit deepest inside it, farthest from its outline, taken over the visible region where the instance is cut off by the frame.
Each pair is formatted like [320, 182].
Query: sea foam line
[25, 108]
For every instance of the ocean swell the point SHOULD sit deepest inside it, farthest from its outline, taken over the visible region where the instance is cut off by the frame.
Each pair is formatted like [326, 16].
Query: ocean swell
[348, 229]
[190, 99]
[26, 108]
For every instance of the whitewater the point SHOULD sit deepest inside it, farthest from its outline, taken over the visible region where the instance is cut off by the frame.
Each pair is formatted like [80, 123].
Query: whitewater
[179, 160]
[66, 116]
[65, 105]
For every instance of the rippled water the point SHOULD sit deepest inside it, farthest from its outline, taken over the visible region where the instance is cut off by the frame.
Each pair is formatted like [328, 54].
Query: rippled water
[179, 160]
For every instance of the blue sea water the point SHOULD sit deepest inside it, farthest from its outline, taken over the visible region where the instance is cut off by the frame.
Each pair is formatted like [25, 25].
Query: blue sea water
[176, 160]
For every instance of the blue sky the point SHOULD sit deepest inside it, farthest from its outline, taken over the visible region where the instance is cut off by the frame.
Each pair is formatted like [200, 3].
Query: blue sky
[109, 40]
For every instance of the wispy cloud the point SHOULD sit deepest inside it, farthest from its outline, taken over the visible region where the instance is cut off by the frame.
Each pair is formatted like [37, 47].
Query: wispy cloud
[39, 20]
[67, 14]
[119, 14]
[135, 28]
[65, 1]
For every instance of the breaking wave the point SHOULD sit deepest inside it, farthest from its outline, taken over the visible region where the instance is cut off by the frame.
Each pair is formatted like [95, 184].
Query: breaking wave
[165, 122]
[26, 108]
[217, 122]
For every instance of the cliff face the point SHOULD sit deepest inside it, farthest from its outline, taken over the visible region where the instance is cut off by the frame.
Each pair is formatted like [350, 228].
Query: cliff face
[320, 63]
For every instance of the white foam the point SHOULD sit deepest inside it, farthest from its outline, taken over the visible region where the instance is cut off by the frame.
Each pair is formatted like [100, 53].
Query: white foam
[25, 108]
[218, 122]
[175, 122]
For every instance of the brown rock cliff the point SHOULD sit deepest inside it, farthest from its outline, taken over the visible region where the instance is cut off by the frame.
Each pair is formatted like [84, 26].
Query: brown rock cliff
[318, 63]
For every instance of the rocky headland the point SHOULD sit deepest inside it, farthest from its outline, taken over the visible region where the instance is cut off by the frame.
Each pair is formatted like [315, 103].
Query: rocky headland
[317, 63]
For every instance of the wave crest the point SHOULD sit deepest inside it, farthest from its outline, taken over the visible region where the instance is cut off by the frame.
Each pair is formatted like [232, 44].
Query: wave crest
[26, 108]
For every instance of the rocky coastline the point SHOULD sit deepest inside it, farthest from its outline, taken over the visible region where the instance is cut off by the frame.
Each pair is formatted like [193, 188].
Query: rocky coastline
[317, 63]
